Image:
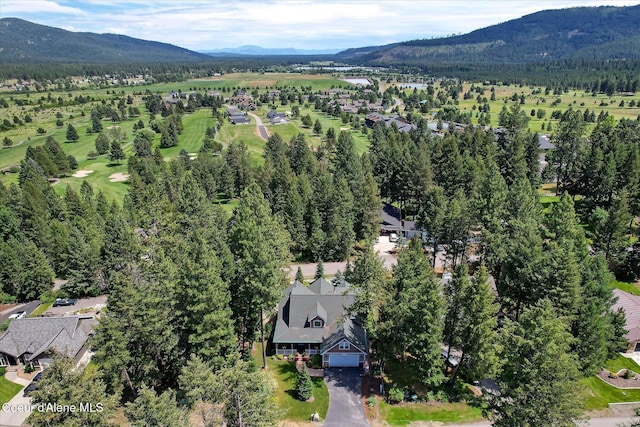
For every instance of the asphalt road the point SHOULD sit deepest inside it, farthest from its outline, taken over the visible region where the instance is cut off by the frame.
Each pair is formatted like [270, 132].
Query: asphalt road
[28, 307]
[261, 129]
[345, 403]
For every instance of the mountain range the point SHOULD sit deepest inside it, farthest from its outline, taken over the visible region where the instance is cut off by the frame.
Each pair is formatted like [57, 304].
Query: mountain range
[576, 33]
[24, 41]
[583, 32]
[261, 51]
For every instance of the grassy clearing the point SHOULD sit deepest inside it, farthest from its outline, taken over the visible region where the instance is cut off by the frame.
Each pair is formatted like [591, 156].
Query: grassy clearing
[406, 413]
[285, 375]
[8, 389]
[41, 309]
[403, 376]
[621, 362]
[598, 394]
[631, 288]
[575, 99]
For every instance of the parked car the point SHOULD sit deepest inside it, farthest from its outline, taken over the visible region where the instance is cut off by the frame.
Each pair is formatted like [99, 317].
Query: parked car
[18, 315]
[64, 301]
[33, 385]
[393, 237]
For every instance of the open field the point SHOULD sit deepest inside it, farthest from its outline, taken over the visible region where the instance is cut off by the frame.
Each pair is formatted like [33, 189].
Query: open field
[48, 107]
[575, 99]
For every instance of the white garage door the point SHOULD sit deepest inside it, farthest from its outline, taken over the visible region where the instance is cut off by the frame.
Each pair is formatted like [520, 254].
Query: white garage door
[344, 360]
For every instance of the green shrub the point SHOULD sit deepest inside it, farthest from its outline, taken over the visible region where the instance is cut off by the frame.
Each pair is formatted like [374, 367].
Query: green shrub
[47, 297]
[371, 401]
[395, 394]
[315, 361]
[28, 369]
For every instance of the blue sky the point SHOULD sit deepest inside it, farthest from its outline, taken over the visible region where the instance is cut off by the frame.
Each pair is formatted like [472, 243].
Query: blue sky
[322, 24]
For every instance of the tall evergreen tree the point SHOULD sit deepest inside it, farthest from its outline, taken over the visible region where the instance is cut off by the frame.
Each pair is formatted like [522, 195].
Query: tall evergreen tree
[260, 247]
[102, 143]
[116, 154]
[532, 392]
[66, 384]
[72, 133]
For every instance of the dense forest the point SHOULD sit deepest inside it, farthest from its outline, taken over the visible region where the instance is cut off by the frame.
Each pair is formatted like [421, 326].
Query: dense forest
[190, 285]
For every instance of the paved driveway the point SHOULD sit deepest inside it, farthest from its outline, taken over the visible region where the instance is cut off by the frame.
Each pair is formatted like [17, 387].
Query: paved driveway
[345, 404]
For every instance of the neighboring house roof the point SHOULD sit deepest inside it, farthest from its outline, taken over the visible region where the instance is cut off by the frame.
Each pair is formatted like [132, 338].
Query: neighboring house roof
[323, 299]
[391, 220]
[631, 305]
[34, 336]
[544, 143]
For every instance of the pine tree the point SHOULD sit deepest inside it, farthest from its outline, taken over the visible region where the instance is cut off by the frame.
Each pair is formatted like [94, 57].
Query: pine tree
[319, 270]
[538, 380]
[304, 385]
[102, 143]
[72, 133]
[96, 123]
[65, 384]
[260, 247]
[299, 276]
[116, 154]
[152, 409]
[418, 311]
[317, 127]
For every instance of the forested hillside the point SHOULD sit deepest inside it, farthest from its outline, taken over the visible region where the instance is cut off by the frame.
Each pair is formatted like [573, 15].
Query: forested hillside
[24, 41]
[550, 35]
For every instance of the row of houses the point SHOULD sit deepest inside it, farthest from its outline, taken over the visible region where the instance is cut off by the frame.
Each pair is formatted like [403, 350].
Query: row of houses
[236, 116]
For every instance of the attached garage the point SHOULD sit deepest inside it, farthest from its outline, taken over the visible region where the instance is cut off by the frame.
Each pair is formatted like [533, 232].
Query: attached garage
[344, 360]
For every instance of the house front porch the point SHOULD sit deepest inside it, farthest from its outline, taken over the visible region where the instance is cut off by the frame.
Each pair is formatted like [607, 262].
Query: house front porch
[291, 349]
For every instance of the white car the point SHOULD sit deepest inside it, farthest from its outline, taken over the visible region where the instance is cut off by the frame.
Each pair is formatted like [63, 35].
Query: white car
[393, 237]
[18, 315]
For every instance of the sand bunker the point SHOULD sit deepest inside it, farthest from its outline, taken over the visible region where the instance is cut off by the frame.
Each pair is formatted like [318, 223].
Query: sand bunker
[118, 177]
[82, 173]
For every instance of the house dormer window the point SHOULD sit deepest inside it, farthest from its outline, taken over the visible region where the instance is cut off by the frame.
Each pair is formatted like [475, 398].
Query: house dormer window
[317, 323]
[344, 345]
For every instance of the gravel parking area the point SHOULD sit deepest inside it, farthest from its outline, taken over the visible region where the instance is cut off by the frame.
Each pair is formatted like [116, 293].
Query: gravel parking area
[81, 304]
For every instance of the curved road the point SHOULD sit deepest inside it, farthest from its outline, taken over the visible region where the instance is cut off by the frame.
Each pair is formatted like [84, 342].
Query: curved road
[262, 131]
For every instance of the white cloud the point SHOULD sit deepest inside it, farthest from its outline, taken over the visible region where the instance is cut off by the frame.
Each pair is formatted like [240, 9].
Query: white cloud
[11, 7]
[197, 24]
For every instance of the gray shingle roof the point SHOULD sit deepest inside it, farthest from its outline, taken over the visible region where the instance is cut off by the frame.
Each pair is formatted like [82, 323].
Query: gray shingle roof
[631, 305]
[348, 328]
[301, 304]
[34, 336]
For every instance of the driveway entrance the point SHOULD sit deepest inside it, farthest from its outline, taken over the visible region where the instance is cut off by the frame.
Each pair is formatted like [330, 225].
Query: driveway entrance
[345, 398]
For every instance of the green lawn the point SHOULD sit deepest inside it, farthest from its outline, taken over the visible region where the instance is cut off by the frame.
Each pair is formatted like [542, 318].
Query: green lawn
[631, 288]
[41, 309]
[8, 389]
[621, 362]
[406, 413]
[599, 394]
[402, 375]
[285, 375]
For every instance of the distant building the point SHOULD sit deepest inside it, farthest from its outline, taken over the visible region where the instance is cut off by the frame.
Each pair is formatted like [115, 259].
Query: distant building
[401, 123]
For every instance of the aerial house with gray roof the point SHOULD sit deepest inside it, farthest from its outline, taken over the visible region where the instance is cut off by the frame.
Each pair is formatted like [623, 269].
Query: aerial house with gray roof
[33, 341]
[316, 319]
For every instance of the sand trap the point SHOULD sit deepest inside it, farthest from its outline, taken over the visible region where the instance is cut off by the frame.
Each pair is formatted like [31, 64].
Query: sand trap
[118, 177]
[82, 173]
[344, 128]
